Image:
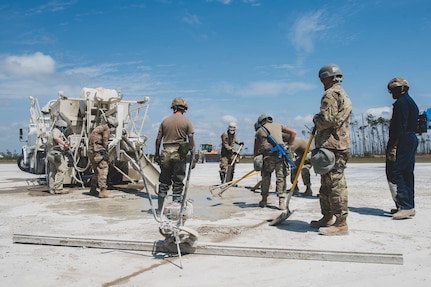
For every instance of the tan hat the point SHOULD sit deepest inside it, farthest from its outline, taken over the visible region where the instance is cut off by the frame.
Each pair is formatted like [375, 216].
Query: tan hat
[397, 82]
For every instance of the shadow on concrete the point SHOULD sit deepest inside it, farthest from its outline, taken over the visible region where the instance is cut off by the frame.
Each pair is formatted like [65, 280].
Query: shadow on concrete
[370, 211]
[295, 226]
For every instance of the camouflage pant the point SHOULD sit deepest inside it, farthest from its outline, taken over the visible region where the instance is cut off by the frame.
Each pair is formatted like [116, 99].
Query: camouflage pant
[172, 172]
[305, 172]
[100, 169]
[270, 164]
[225, 162]
[333, 190]
[57, 166]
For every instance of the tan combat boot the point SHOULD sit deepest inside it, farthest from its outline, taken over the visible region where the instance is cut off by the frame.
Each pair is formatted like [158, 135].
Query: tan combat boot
[63, 191]
[340, 227]
[404, 214]
[325, 221]
[104, 193]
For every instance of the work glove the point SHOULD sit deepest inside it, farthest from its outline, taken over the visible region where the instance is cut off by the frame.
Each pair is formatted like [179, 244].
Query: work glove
[193, 163]
[104, 154]
[157, 159]
[241, 143]
[315, 118]
[391, 154]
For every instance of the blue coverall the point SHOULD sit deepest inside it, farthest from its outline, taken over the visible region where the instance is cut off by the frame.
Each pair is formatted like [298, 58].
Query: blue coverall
[402, 135]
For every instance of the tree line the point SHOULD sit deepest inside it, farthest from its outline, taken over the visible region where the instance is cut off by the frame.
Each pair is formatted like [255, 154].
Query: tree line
[371, 135]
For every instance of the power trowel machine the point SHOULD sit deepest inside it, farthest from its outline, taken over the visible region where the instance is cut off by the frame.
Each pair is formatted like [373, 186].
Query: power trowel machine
[172, 216]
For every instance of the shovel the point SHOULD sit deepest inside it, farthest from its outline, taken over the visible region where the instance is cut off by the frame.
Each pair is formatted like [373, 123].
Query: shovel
[229, 175]
[217, 190]
[286, 213]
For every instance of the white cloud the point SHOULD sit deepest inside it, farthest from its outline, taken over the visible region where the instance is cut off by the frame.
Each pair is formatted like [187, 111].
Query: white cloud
[28, 65]
[92, 71]
[304, 31]
[191, 19]
[226, 2]
[385, 112]
[267, 88]
[229, 118]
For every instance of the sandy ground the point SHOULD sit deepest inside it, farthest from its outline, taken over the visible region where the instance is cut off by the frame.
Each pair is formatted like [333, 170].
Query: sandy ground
[235, 219]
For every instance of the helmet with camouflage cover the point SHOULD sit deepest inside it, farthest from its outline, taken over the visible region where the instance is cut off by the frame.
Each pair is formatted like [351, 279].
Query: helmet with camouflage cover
[263, 117]
[179, 103]
[61, 124]
[331, 70]
[112, 121]
[322, 160]
[398, 82]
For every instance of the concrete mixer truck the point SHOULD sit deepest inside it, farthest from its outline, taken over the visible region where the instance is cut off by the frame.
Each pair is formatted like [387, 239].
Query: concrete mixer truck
[82, 114]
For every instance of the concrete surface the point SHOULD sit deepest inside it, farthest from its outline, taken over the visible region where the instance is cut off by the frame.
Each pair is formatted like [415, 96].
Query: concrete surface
[235, 219]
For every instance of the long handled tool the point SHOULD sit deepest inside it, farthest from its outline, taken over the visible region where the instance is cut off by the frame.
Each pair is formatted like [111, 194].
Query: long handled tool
[229, 171]
[286, 213]
[174, 231]
[217, 190]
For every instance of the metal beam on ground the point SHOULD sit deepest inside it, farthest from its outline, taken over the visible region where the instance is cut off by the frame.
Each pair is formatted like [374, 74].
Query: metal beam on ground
[213, 249]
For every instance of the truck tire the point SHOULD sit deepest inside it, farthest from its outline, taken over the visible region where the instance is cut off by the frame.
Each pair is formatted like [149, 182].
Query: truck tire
[20, 163]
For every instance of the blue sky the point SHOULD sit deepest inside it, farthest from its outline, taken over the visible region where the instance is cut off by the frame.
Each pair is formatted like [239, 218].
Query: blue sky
[232, 60]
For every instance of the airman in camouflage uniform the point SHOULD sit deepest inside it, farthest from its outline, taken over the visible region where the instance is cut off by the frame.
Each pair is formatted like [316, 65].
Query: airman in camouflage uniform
[98, 154]
[228, 154]
[176, 131]
[332, 132]
[57, 163]
[299, 146]
[271, 160]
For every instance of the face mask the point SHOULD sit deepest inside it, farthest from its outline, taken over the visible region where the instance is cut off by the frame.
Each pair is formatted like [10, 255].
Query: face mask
[232, 132]
[63, 130]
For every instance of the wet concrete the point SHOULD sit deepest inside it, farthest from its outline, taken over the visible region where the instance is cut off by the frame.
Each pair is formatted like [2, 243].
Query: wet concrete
[132, 204]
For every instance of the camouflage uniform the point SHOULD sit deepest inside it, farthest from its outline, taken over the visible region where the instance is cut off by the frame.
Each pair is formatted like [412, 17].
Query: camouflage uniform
[299, 146]
[174, 131]
[271, 162]
[57, 163]
[332, 132]
[98, 144]
[227, 155]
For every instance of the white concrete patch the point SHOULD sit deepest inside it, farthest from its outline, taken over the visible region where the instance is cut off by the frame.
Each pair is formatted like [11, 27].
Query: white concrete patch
[234, 219]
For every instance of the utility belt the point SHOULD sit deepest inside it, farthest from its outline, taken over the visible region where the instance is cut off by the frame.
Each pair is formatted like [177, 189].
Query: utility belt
[166, 145]
[182, 148]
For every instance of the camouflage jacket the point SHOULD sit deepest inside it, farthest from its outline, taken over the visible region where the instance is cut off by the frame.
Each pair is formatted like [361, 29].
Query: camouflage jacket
[99, 138]
[228, 142]
[332, 123]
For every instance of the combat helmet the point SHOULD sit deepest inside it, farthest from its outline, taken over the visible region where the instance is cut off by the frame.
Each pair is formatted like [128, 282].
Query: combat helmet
[232, 127]
[179, 103]
[331, 70]
[112, 121]
[263, 117]
[61, 124]
[398, 82]
[322, 160]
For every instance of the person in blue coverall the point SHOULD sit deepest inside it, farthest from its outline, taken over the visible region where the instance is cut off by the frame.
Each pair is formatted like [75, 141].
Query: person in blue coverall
[401, 149]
